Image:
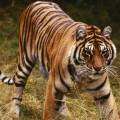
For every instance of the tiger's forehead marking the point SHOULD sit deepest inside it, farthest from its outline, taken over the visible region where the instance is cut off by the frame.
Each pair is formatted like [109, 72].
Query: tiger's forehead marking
[89, 45]
[93, 33]
[93, 30]
[92, 45]
[102, 46]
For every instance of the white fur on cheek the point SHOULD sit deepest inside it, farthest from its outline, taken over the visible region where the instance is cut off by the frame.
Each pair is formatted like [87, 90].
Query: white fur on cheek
[115, 51]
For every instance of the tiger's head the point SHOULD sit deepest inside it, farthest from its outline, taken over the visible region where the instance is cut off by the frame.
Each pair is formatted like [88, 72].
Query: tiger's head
[94, 50]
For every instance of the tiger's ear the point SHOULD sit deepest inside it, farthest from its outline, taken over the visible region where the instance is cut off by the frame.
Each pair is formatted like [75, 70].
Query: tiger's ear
[81, 33]
[107, 31]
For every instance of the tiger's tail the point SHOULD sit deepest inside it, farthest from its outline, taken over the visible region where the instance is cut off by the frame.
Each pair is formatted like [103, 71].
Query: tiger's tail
[6, 79]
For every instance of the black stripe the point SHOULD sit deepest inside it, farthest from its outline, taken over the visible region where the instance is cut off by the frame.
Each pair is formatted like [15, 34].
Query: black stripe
[0, 72]
[10, 83]
[63, 82]
[71, 70]
[76, 62]
[58, 96]
[42, 59]
[103, 98]
[29, 68]
[74, 56]
[98, 87]
[22, 82]
[4, 78]
[80, 51]
[19, 85]
[16, 98]
[19, 67]
[75, 52]
[111, 111]
[19, 76]
[109, 60]
[29, 61]
[30, 37]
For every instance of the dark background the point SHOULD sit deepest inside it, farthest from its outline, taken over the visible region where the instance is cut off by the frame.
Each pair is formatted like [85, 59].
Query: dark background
[97, 12]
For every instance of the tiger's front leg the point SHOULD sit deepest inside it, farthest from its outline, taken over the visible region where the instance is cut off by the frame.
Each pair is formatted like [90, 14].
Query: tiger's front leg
[104, 99]
[54, 103]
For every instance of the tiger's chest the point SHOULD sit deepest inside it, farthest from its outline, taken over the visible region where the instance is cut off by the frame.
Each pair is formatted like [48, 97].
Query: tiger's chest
[76, 89]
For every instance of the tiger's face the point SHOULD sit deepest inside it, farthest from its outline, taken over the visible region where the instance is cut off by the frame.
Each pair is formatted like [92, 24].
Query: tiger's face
[95, 51]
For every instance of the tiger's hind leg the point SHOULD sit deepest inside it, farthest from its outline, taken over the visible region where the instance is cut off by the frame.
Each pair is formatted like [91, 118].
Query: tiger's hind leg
[20, 79]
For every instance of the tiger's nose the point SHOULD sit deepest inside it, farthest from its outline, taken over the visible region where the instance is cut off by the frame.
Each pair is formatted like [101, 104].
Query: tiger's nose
[97, 69]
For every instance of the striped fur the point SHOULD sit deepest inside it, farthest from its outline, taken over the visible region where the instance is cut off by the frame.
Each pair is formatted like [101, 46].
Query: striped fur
[67, 52]
[5, 79]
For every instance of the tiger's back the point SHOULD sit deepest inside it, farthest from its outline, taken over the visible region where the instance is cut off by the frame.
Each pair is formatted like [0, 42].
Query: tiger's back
[42, 27]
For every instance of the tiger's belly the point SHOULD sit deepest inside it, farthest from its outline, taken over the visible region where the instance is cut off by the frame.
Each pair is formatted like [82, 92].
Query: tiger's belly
[43, 71]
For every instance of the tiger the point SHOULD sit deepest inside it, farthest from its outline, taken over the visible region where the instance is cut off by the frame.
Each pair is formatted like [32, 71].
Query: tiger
[67, 52]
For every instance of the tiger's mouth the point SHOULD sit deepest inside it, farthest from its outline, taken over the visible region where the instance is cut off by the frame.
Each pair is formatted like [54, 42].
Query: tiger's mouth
[99, 72]
[87, 73]
[96, 74]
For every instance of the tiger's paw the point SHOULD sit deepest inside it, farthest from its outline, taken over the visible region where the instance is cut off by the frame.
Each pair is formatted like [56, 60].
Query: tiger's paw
[15, 110]
[63, 111]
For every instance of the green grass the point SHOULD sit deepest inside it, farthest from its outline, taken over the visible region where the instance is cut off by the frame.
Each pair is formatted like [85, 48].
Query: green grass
[81, 108]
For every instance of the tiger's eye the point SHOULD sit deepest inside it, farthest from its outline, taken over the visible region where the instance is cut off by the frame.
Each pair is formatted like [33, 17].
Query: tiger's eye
[87, 51]
[105, 50]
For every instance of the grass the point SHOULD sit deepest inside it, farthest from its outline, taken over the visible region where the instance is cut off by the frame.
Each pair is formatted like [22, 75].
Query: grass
[81, 108]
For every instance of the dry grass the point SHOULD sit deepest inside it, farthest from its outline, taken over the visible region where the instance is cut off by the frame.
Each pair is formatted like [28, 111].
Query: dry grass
[81, 108]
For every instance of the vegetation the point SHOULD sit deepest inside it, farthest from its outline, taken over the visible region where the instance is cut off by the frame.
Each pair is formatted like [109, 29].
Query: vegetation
[82, 107]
